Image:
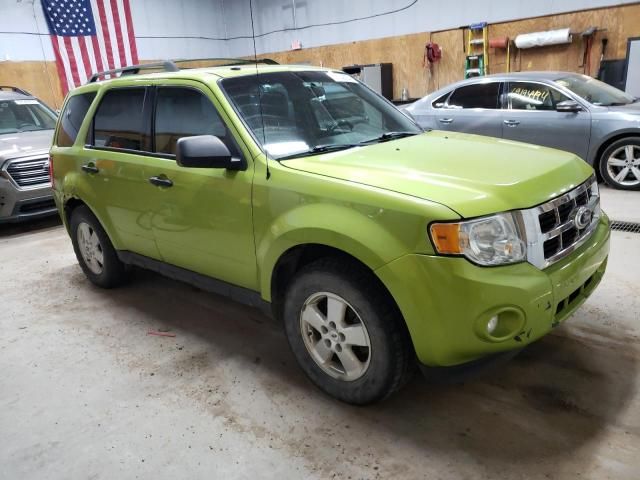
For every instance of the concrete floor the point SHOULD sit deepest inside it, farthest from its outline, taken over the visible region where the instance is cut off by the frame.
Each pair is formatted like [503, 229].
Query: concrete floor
[86, 393]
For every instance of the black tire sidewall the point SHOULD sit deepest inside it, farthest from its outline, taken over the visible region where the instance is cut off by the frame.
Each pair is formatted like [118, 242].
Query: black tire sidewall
[113, 271]
[603, 162]
[378, 381]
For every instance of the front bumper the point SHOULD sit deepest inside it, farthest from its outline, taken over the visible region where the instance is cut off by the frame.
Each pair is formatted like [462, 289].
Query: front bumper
[447, 301]
[24, 204]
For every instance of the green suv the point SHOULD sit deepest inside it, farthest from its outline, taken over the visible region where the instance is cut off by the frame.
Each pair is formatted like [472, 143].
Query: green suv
[379, 246]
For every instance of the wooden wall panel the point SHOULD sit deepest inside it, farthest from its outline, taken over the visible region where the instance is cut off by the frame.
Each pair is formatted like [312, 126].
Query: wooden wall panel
[38, 78]
[406, 51]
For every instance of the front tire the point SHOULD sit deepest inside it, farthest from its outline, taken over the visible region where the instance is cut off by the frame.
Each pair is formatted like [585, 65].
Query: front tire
[620, 164]
[94, 251]
[346, 334]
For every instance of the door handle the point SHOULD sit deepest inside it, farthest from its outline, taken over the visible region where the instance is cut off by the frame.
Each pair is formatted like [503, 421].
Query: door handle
[511, 123]
[445, 120]
[90, 168]
[161, 181]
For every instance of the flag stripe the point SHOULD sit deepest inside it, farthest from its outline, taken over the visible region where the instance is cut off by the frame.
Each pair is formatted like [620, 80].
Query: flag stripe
[86, 62]
[62, 71]
[113, 40]
[124, 35]
[132, 38]
[115, 14]
[73, 66]
[105, 35]
[99, 39]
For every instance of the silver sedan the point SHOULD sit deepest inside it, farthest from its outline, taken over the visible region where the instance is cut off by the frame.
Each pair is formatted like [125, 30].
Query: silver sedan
[562, 110]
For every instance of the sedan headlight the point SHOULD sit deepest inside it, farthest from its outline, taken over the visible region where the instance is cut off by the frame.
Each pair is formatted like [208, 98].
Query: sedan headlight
[494, 240]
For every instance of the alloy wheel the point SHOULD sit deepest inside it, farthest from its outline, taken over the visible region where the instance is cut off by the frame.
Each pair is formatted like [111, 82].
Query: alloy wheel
[623, 165]
[335, 336]
[90, 248]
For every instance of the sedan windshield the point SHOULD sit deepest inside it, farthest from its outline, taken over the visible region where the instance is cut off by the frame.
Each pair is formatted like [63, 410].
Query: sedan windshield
[295, 114]
[26, 115]
[594, 91]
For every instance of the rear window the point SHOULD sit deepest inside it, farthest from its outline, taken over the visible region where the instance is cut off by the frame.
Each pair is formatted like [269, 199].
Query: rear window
[480, 95]
[119, 121]
[72, 117]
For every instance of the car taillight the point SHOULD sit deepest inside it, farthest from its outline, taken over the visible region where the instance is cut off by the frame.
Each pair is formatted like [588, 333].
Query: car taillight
[53, 185]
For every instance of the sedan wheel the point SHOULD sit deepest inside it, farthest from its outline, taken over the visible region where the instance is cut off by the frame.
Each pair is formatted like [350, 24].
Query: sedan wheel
[620, 164]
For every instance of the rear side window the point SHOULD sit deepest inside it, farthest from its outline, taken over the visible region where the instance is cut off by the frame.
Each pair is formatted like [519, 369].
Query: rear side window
[480, 95]
[72, 117]
[119, 121]
[185, 112]
[533, 96]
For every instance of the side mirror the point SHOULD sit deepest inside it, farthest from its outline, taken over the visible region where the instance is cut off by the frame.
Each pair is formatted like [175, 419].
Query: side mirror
[568, 106]
[206, 151]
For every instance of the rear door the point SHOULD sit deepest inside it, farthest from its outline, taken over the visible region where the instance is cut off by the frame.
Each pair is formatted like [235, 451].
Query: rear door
[202, 222]
[530, 116]
[112, 168]
[472, 109]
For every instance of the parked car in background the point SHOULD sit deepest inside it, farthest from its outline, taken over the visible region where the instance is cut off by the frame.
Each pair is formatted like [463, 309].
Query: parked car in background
[302, 190]
[26, 130]
[572, 112]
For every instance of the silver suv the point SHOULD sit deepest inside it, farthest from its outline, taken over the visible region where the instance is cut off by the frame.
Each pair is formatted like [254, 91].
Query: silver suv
[26, 130]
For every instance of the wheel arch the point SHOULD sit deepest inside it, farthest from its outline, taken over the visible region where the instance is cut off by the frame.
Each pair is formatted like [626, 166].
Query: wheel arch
[71, 204]
[595, 160]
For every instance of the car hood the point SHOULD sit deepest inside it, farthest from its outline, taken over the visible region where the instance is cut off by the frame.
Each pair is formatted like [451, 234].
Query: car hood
[631, 108]
[470, 174]
[14, 145]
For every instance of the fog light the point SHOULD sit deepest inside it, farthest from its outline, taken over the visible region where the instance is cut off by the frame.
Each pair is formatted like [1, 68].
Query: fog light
[492, 324]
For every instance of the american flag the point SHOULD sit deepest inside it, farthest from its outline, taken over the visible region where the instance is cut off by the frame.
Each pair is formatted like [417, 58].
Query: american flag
[89, 36]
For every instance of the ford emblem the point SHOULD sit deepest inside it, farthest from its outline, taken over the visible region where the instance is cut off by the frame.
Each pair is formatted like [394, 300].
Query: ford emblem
[582, 217]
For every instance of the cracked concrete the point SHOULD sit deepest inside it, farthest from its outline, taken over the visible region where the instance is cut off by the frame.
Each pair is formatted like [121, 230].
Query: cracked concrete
[86, 393]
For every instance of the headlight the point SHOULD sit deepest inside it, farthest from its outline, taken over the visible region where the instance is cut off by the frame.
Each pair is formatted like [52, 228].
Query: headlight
[494, 240]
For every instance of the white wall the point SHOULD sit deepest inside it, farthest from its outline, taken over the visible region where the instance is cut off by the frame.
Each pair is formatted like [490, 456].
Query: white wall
[151, 18]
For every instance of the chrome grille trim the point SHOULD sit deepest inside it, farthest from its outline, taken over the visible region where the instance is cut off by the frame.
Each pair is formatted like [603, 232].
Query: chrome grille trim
[587, 195]
[30, 172]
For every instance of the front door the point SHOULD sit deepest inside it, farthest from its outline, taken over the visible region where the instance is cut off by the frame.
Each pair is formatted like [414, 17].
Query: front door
[530, 116]
[472, 109]
[202, 222]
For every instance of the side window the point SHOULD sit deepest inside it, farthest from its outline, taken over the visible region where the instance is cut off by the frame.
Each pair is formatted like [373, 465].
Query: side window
[184, 112]
[478, 95]
[71, 118]
[533, 96]
[440, 101]
[119, 121]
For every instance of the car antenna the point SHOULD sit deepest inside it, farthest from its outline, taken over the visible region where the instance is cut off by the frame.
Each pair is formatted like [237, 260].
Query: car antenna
[255, 58]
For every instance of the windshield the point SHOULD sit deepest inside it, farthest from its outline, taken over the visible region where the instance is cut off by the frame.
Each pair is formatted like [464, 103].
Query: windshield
[302, 113]
[25, 115]
[594, 91]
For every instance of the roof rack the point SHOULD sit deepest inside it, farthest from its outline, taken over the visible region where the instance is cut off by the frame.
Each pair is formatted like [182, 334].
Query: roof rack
[15, 89]
[171, 66]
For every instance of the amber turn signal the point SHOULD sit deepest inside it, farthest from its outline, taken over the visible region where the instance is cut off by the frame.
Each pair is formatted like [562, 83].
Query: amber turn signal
[446, 238]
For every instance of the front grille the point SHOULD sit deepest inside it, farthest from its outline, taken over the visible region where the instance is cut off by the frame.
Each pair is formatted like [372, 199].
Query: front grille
[29, 173]
[557, 227]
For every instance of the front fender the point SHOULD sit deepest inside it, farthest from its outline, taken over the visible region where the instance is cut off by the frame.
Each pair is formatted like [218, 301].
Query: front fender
[354, 231]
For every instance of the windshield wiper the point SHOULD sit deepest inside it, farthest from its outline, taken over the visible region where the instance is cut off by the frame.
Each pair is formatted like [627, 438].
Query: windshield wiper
[331, 147]
[386, 136]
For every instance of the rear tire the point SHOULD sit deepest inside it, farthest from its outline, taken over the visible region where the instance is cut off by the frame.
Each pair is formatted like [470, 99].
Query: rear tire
[620, 164]
[94, 251]
[346, 334]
